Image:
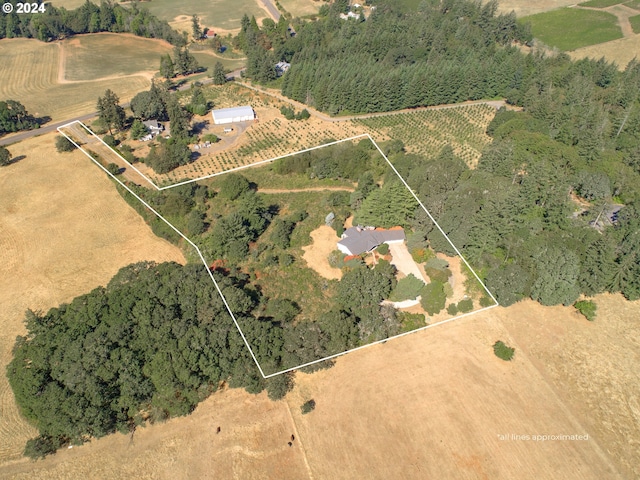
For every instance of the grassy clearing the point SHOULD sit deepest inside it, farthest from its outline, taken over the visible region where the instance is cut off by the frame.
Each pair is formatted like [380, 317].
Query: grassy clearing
[29, 71]
[600, 3]
[300, 8]
[620, 51]
[89, 57]
[216, 14]
[635, 23]
[570, 28]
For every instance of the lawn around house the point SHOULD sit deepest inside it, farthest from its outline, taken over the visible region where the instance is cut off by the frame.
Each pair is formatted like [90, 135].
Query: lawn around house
[570, 28]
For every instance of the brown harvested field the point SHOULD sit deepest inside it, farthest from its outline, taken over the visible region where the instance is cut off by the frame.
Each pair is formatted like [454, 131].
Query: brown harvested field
[63, 231]
[435, 404]
[621, 51]
[523, 8]
[317, 254]
[34, 72]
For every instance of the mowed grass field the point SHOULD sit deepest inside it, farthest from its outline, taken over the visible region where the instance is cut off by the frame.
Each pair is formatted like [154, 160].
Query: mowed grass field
[220, 15]
[64, 79]
[64, 230]
[91, 57]
[635, 23]
[571, 28]
[301, 8]
[435, 404]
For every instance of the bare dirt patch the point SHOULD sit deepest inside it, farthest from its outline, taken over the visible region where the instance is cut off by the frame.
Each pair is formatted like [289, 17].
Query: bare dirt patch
[63, 231]
[316, 255]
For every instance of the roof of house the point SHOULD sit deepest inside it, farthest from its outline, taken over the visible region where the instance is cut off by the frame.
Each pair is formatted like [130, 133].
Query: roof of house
[244, 111]
[152, 124]
[359, 240]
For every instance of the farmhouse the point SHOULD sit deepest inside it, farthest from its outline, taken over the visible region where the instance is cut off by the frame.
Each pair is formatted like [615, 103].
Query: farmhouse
[153, 126]
[232, 115]
[357, 240]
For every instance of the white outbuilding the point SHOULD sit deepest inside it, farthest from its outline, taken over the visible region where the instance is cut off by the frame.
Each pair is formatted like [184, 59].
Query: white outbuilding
[232, 115]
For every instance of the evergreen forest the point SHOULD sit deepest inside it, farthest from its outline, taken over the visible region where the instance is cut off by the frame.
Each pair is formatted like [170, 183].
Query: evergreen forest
[57, 22]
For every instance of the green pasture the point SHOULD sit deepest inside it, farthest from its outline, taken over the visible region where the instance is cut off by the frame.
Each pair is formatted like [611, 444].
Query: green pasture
[601, 3]
[571, 28]
[635, 23]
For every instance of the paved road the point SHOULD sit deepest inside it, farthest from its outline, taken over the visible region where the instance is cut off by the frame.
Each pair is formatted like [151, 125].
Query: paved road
[271, 8]
[51, 127]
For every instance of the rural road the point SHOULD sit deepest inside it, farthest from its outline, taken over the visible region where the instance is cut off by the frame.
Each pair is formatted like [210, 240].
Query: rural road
[18, 137]
[322, 116]
[301, 190]
[271, 8]
[51, 127]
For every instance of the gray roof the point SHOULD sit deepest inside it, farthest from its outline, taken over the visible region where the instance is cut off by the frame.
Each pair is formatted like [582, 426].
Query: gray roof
[244, 111]
[152, 124]
[359, 240]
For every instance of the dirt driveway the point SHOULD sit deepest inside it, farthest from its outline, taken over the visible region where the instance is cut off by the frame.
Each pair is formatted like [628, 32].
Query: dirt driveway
[403, 261]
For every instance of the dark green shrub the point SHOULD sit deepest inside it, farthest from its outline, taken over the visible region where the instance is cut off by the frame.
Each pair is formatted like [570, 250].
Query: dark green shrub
[486, 301]
[452, 309]
[407, 288]
[383, 249]
[433, 298]
[503, 351]
[437, 275]
[110, 140]
[465, 306]
[113, 169]
[64, 145]
[587, 308]
[308, 406]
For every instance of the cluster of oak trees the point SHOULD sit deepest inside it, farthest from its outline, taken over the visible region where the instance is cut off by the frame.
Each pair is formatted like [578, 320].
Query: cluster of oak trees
[14, 117]
[58, 22]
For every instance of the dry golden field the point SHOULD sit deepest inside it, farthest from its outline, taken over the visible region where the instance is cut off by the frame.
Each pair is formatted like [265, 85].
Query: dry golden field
[435, 404]
[524, 8]
[63, 231]
[621, 51]
[301, 8]
[35, 73]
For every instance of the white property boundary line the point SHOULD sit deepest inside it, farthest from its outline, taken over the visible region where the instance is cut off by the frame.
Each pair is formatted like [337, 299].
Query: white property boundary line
[242, 167]
[224, 300]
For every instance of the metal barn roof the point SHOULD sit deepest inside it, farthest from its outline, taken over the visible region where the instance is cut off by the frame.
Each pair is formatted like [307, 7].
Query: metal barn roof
[244, 111]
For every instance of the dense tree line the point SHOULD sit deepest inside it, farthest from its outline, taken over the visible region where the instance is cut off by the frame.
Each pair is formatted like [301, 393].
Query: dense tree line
[14, 117]
[514, 217]
[151, 344]
[57, 23]
[445, 52]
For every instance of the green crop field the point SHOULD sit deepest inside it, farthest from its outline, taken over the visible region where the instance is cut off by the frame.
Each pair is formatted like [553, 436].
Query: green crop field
[601, 3]
[635, 23]
[90, 57]
[570, 28]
